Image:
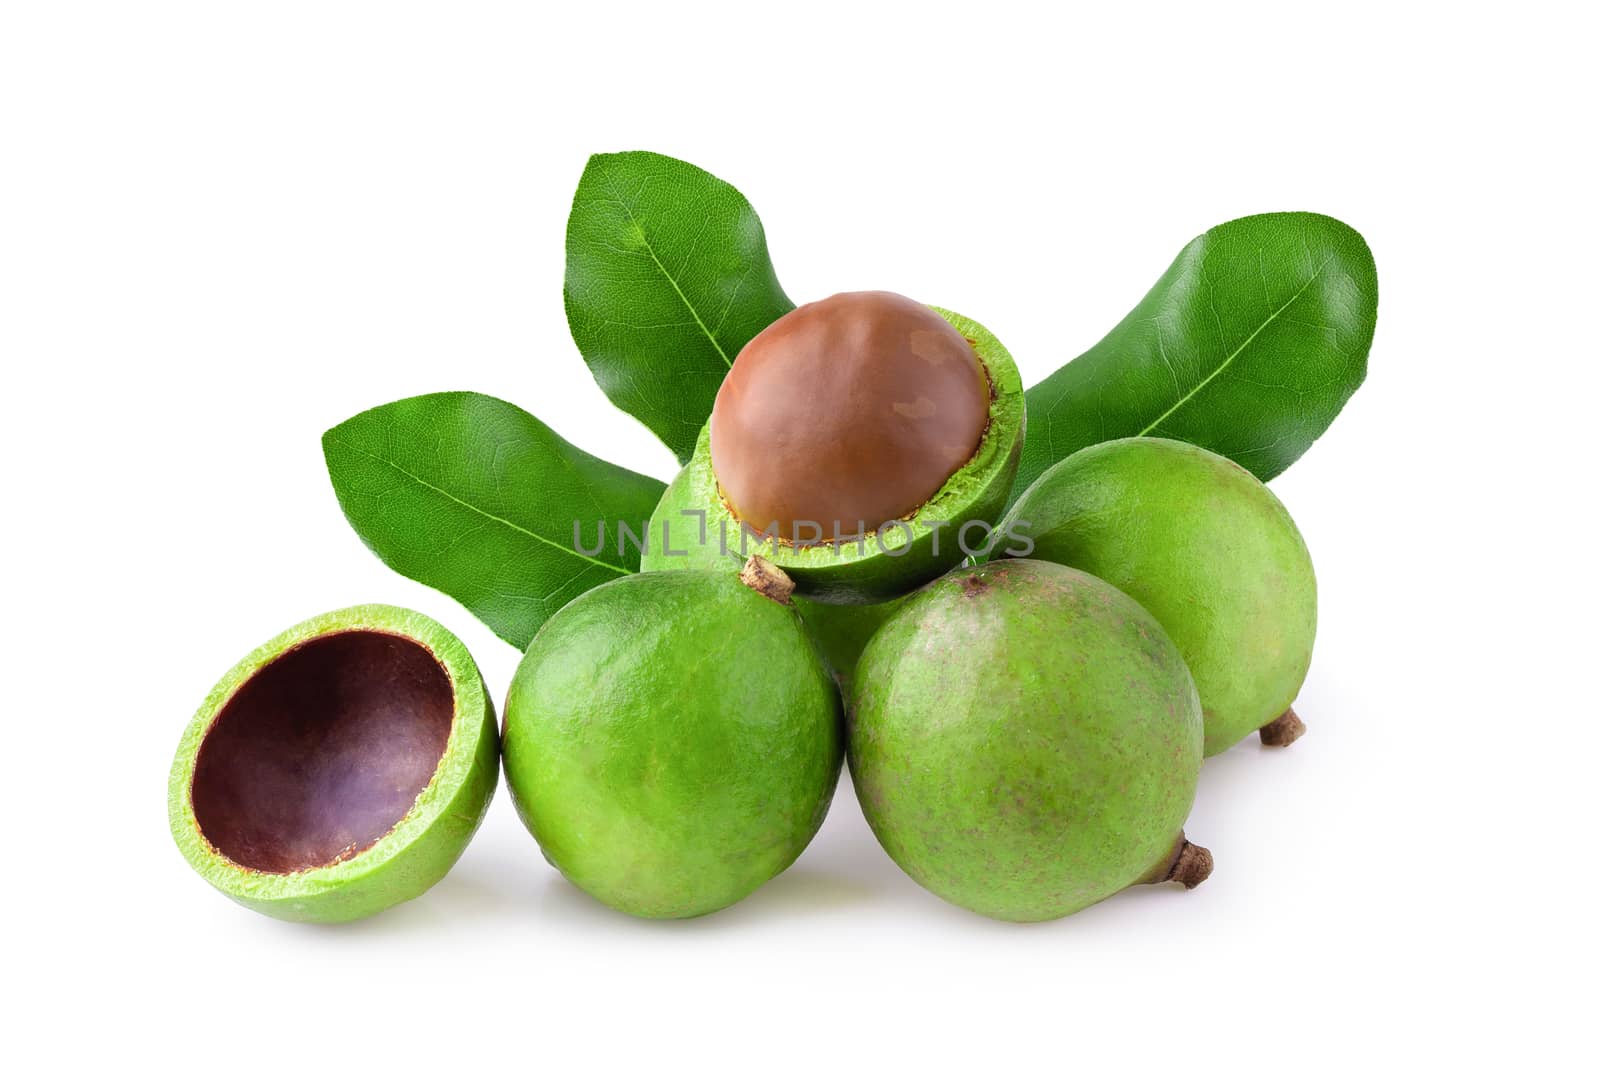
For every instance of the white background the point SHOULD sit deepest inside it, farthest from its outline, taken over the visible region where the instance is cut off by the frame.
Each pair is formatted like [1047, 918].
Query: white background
[225, 227]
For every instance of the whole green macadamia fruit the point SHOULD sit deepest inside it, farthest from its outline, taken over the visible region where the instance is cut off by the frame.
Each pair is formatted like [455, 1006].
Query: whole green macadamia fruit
[1025, 741]
[673, 740]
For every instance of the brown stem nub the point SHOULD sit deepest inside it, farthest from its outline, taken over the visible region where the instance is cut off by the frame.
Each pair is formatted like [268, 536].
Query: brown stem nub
[1283, 730]
[1191, 865]
[767, 579]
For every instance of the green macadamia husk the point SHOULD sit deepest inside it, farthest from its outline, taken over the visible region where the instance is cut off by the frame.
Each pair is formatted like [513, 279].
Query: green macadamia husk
[339, 769]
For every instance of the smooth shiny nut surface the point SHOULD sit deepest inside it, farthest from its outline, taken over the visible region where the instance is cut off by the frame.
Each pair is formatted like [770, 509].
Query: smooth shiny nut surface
[845, 414]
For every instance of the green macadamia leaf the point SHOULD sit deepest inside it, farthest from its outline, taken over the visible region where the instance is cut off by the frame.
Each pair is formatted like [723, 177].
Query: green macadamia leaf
[479, 499]
[1248, 346]
[667, 278]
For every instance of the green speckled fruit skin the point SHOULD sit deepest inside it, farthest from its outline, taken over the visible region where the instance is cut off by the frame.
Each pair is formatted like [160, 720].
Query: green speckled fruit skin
[692, 528]
[1207, 549]
[1025, 740]
[419, 850]
[672, 740]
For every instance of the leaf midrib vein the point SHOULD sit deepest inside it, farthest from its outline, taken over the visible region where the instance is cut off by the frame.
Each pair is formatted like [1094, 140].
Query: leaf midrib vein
[644, 239]
[1186, 397]
[478, 510]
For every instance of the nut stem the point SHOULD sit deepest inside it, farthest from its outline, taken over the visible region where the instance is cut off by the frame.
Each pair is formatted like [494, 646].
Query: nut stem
[1283, 730]
[1187, 864]
[1190, 864]
[767, 579]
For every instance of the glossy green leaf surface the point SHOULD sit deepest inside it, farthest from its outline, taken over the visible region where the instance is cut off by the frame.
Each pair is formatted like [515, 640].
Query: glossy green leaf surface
[478, 499]
[667, 277]
[1248, 346]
